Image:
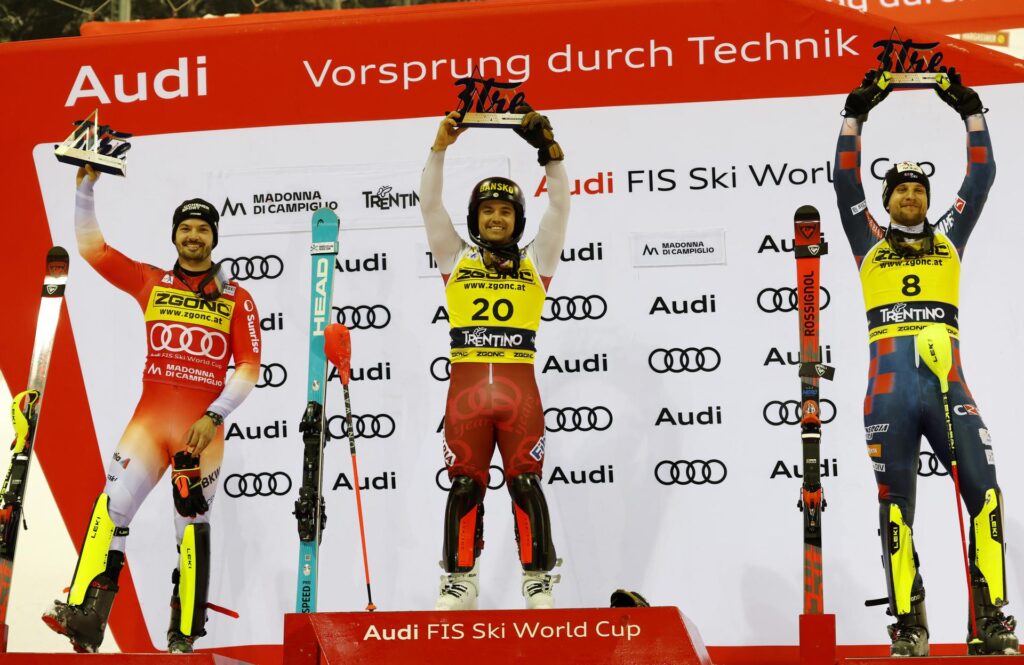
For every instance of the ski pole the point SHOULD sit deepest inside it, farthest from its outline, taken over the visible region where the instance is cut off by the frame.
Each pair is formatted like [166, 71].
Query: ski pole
[338, 348]
[935, 349]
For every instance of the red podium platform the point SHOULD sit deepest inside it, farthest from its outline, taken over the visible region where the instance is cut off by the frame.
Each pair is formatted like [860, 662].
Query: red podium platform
[117, 659]
[621, 635]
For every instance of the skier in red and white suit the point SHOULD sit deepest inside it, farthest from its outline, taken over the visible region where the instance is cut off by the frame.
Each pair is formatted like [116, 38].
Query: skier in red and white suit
[495, 292]
[196, 324]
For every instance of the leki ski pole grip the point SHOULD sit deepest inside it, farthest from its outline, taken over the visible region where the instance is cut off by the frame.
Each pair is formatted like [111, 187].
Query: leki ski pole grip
[338, 348]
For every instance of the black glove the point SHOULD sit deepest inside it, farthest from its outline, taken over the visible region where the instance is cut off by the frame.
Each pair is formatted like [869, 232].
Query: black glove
[187, 485]
[963, 99]
[875, 87]
[626, 598]
[536, 130]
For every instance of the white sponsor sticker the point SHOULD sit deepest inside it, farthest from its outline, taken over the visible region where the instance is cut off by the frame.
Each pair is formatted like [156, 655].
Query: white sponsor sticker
[859, 207]
[986, 438]
[447, 453]
[990, 456]
[679, 248]
[878, 466]
[870, 430]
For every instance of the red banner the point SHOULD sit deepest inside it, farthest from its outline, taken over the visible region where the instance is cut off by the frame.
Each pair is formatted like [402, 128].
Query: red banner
[328, 68]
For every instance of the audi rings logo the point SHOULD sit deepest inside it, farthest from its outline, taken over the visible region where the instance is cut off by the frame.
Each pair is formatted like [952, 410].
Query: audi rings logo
[366, 426]
[785, 299]
[690, 472]
[790, 412]
[254, 267]
[705, 359]
[495, 478]
[577, 419]
[441, 369]
[271, 376]
[179, 338]
[574, 308]
[929, 465]
[277, 483]
[363, 317]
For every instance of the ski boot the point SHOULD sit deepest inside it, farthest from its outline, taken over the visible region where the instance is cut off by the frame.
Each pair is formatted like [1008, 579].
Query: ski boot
[995, 630]
[537, 587]
[83, 624]
[909, 634]
[459, 591]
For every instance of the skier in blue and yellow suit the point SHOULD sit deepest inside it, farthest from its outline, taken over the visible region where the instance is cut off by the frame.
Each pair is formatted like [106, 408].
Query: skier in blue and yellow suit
[910, 275]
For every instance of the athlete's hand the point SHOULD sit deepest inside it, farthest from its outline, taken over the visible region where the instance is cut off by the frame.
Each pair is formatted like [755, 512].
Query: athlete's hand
[875, 87]
[962, 99]
[187, 485]
[536, 130]
[448, 133]
[200, 435]
[83, 172]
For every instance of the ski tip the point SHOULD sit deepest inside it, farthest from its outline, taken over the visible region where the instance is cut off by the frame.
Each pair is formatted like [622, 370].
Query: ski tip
[325, 216]
[806, 214]
[57, 261]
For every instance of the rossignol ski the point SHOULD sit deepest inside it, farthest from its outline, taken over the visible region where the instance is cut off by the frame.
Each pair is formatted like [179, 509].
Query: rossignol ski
[309, 508]
[25, 413]
[808, 248]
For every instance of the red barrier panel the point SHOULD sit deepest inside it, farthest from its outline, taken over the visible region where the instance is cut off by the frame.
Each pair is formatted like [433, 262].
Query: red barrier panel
[622, 635]
[817, 639]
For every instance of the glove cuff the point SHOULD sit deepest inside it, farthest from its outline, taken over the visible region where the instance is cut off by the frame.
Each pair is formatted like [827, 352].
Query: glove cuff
[550, 153]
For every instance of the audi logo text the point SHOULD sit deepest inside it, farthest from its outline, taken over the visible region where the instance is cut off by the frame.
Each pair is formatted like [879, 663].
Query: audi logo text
[441, 369]
[929, 465]
[363, 317]
[495, 478]
[574, 308]
[271, 376]
[577, 419]
[690, 472]
[254, 267]
[705, 359]
[784, 299]
[366, 426]
[179, 338]
[790, 412]
[277, 483]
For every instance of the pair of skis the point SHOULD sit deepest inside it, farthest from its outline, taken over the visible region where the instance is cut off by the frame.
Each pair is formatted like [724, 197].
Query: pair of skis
[808, 249]
[25, 414]
[326, 341]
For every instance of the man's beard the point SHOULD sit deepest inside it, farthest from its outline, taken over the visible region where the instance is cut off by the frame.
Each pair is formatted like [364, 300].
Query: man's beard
[909, 218]
[201, 252]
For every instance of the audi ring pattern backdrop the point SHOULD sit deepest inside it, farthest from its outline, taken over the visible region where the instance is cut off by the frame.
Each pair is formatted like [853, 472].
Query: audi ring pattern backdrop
[668, 348]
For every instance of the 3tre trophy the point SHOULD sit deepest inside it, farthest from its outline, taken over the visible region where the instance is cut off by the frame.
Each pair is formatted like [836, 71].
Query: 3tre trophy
[95, 144]
[908, 64]
[487, 103]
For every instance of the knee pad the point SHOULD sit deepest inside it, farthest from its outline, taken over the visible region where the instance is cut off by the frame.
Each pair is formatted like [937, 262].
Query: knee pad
[532, 522]
[194, 579]
[463, 524]
[92, 561]
[898, 558]
[988, 546]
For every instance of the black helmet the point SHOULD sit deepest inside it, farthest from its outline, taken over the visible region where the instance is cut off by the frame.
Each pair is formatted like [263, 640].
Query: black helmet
[501, 189]
[199, 209]
[900, 173]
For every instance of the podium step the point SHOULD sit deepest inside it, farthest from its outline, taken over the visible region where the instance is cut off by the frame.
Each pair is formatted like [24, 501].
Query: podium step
[117, 659]
[578, 636]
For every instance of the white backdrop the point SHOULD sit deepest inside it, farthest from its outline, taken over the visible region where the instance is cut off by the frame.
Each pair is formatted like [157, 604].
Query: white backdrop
[728, 554]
